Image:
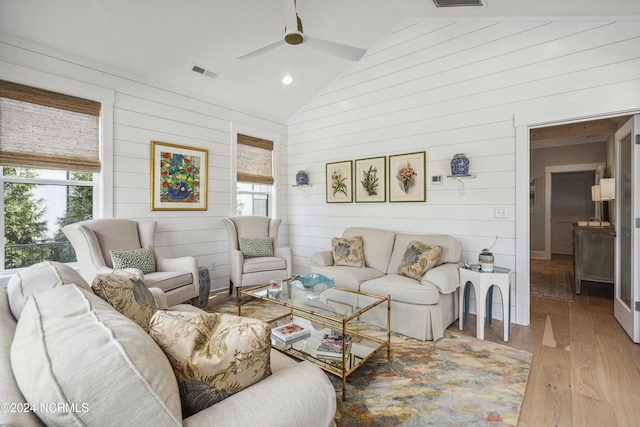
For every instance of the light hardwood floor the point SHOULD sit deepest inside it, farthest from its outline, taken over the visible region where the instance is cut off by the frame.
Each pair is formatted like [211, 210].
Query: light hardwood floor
[585, 369]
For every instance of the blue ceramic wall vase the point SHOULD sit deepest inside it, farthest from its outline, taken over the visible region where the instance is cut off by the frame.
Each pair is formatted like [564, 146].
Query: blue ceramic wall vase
[302, 178]
[459, 164]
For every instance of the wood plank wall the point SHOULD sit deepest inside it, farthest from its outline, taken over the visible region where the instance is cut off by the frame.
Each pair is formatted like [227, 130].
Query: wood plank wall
[446, 88]
[144, 112]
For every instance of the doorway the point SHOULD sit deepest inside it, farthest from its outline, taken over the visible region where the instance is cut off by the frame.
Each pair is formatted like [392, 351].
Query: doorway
[570, 203]
[568, 159]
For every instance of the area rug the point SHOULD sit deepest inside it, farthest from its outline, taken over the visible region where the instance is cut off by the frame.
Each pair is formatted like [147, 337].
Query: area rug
[555, 284]
[456, 381]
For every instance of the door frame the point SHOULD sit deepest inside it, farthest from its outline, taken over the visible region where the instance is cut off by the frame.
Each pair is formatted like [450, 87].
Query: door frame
[628, 317]
[549, 171]
[524, 121]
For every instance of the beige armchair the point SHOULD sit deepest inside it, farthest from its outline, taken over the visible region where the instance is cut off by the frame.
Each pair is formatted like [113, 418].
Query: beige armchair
[246, 271]
[93, 239]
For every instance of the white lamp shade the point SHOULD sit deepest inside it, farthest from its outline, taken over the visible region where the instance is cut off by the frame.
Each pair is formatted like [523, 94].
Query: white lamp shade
[595, 193]
[608, 188]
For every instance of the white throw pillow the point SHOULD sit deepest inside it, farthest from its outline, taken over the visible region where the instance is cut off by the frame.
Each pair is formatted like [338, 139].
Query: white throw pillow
[37, 278]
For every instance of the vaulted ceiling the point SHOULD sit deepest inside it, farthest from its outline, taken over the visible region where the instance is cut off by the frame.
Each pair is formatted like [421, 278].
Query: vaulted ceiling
[159, 41]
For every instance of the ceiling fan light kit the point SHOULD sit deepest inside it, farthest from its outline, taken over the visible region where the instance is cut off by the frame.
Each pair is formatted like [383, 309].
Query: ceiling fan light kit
[293, 35]
[293, 38]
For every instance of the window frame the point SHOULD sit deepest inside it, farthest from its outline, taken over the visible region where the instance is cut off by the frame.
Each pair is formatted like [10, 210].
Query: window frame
[103, 181]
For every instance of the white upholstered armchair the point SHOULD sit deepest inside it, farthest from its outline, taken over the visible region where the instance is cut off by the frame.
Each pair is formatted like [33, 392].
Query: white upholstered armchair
[261, 267]
[94, 239]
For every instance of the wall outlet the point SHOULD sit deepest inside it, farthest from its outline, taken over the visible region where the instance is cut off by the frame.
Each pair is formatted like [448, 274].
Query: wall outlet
[212, 266]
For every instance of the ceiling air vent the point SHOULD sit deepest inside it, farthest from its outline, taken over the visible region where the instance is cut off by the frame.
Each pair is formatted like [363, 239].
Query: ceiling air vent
[457, 3]
[204, 72]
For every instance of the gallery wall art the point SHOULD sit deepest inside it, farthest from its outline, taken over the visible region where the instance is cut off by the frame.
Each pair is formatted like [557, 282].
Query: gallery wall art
[371, 180]
[178, 177]
[407, 177]
[340, 182]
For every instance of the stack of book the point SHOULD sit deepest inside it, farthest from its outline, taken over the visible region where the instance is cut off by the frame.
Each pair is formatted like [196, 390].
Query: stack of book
[331, 347]
[289, 333]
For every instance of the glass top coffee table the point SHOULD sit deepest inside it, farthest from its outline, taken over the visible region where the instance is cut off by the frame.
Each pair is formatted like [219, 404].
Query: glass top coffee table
[334, 312]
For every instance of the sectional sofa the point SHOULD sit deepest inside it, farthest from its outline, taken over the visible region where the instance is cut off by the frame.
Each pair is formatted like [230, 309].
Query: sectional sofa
[420, 309]
[67, 357]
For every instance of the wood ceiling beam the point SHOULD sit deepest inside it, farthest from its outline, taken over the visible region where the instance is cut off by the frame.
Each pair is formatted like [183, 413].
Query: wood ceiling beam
[591, 128]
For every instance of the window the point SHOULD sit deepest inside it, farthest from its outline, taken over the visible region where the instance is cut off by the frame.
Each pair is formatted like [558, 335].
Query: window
[253, 199]
[49, 152]
[254, 176]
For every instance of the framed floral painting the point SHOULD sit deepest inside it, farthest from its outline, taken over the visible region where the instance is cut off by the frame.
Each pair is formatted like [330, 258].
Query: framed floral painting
[339, 182]
[178, 177]
[370, 180]
[407, 177]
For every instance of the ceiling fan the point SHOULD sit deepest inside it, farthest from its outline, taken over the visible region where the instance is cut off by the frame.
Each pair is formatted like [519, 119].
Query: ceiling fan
[293, 35]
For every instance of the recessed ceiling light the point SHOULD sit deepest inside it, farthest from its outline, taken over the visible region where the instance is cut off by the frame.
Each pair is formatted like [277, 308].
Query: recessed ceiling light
[286, 80]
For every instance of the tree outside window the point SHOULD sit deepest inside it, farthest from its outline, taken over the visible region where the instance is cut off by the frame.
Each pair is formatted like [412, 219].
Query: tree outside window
[37, 204]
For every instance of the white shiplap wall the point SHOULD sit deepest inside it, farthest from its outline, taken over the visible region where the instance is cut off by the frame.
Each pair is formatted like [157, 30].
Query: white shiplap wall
[446, 88]
[143, 112]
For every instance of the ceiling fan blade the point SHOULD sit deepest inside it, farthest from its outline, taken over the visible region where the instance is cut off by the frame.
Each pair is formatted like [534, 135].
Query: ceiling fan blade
[336, 49]
[288, 12]
[261, 50]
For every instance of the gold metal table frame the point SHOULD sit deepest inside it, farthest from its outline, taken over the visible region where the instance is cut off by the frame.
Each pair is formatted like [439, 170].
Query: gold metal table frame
[328, 319]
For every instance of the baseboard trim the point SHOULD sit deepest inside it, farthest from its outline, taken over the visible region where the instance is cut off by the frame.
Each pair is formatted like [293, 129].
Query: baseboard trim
[538, 255]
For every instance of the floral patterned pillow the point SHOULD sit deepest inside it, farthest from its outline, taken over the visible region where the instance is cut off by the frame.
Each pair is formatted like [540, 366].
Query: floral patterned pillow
[251, 248]
[213, 355]
[141, 259]
[128, 294]
[348, 251]
[418, 259]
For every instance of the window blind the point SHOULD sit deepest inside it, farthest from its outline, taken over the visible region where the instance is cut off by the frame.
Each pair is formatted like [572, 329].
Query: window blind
[255, 159]
[44, 129]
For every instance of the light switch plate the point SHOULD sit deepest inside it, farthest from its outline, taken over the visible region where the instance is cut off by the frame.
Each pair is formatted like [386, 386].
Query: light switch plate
[436, 180]
[500, 212]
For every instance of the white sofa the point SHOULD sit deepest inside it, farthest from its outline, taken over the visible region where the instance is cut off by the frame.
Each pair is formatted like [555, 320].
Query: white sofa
[421, 310]
[87, 364]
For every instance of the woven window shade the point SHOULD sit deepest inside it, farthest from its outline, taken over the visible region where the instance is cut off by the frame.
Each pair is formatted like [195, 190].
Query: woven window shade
[43, 129]
[255, 158]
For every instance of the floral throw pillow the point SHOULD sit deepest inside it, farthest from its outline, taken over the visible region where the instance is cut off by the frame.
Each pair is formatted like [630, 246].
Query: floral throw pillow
[141, 259]
[348, 251]
[418, 259]
[128, 294]
[252, 248]
[213, 355]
